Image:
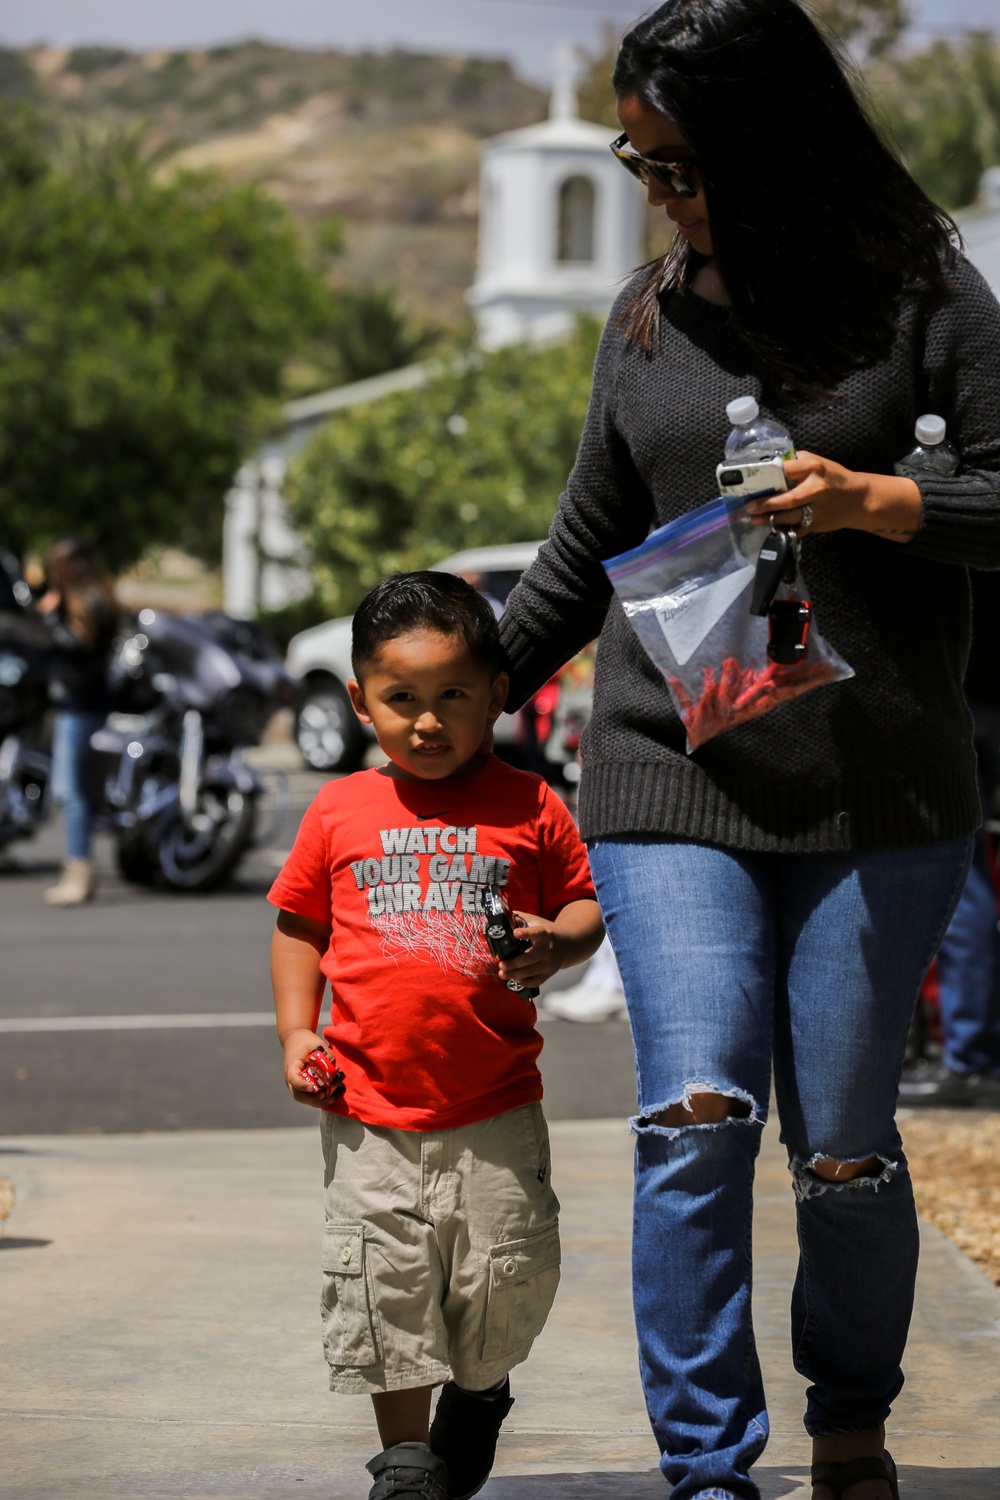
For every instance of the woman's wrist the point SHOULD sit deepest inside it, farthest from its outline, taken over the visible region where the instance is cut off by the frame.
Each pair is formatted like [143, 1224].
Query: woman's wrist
[891, 507]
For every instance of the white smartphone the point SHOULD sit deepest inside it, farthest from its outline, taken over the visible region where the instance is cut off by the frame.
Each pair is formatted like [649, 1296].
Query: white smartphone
[766, 478]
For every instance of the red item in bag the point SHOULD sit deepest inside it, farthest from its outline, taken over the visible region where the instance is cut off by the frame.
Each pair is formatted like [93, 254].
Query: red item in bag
[687, 592]
[742, 694]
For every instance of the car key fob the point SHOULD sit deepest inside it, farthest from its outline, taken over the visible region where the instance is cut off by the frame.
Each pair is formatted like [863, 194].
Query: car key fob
[777, 563]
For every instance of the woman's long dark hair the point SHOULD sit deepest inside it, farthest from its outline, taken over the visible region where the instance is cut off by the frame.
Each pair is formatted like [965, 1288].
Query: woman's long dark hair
[816, 224]
[89, 606]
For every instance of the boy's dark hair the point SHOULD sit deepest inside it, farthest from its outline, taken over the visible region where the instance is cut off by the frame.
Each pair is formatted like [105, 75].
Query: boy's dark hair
[428, 601]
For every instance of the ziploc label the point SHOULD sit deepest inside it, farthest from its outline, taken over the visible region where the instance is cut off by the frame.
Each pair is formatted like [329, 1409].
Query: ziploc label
[688, 615]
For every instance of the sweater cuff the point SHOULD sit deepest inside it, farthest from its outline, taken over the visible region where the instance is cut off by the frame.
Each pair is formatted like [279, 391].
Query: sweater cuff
[959, 522]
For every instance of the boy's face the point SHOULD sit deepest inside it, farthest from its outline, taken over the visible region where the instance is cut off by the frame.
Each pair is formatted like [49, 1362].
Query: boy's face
[430, 703]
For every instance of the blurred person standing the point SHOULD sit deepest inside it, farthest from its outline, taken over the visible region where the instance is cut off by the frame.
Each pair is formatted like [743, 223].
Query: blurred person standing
[968, 960]
[81, 613]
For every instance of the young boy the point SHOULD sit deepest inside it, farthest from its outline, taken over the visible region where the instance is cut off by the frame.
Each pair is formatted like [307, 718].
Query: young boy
[441, 1249]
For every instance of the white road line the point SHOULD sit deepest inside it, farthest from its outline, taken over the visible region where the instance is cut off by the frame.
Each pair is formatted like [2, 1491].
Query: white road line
[207, 1020]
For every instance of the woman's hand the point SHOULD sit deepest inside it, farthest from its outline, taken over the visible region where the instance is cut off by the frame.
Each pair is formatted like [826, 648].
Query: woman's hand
[49, 601]
[838, 498]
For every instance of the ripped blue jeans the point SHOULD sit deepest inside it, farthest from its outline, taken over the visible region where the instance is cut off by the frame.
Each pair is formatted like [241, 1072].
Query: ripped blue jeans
[730, 960]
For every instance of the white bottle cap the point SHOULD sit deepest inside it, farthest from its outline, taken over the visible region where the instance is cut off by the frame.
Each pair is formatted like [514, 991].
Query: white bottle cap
[744, 409]
[930, 429]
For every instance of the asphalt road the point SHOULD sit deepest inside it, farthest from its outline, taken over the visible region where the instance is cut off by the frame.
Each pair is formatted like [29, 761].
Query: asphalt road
[123, 987]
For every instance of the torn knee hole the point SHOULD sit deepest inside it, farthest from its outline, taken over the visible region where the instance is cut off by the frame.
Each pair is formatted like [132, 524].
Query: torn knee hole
[832, 1170]
[700, 1109]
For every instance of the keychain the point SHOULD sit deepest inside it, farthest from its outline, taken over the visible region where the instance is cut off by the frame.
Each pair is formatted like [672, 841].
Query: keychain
[788, 619]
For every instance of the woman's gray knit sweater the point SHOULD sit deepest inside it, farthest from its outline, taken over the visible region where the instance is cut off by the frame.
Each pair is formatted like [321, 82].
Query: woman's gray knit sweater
[882, 760]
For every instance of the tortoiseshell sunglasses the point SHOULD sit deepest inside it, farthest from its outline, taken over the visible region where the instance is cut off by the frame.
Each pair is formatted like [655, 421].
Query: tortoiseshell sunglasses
[675, 175]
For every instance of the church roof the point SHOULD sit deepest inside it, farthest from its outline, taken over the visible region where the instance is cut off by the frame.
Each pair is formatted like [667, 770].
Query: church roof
[563, 130]
[568, 133]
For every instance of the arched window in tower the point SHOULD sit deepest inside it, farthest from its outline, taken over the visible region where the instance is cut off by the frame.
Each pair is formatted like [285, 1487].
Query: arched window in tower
[577, 214]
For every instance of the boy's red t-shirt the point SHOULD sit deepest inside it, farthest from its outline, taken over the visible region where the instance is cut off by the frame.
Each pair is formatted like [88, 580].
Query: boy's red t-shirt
[427, 1034]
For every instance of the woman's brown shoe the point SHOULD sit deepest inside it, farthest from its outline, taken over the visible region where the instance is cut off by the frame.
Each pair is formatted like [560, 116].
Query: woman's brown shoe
[840, 1477]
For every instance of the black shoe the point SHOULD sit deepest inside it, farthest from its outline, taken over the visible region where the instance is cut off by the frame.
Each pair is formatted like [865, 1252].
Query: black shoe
[408, 1471]
[464, 1433]
[934, 1084]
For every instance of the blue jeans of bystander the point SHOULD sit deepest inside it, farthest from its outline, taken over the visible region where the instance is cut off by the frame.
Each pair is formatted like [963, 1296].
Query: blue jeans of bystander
[968, 964]
[70, 769]
[729, 960]
[969, 956]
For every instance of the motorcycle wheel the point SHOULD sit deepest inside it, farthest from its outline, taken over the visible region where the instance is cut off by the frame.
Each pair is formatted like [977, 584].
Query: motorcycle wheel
[135, 862]
[200, 858]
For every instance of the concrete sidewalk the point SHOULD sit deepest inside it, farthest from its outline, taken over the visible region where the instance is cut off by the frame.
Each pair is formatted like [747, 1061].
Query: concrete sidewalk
[158, 1329]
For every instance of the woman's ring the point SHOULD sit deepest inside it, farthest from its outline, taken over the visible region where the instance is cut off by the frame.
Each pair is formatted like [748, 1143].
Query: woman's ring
[807, 517]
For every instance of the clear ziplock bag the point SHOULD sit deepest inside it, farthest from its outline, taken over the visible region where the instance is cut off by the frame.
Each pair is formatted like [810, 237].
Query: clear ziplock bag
[686, 591]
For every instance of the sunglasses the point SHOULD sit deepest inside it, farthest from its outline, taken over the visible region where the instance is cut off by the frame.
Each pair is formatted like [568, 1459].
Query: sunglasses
[675, 175]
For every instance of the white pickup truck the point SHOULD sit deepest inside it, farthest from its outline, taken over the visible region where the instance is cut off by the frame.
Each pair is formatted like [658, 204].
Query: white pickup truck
[327, 732]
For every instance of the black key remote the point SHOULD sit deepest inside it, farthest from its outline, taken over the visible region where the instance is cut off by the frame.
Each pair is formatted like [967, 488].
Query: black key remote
[776, 564]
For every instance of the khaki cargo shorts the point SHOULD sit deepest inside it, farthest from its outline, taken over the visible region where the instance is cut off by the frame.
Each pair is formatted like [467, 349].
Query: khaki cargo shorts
[440, 1253]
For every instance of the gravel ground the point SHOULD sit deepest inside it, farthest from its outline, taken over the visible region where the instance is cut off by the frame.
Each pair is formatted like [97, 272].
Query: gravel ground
[953, 1157]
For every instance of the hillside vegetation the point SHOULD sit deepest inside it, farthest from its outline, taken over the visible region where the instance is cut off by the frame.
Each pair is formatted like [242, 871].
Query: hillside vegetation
[376, 154]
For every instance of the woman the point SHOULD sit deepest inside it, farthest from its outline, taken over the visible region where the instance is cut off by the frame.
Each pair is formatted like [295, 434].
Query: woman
[80, 611]
[779, 893]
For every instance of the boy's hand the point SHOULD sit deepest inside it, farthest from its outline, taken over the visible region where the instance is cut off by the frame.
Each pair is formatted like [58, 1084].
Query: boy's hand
[545, 957]
[303, 1089]
[572, 938]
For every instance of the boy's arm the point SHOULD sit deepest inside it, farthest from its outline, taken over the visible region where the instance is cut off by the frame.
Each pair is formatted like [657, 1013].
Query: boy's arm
[573, 937]
[297, 949]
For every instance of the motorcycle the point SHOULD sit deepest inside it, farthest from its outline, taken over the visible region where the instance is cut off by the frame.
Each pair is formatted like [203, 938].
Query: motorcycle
[170, 777]
[25, 762]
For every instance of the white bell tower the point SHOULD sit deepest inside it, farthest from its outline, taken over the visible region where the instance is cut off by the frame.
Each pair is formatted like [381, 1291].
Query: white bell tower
[560, 222]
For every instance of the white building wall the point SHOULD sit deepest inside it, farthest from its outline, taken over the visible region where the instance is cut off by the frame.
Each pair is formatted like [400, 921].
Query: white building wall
[263, 559]
[262, 562]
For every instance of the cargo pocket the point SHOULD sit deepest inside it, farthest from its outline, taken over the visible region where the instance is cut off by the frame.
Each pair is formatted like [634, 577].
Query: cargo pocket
[351, 1334]
[524, 1275]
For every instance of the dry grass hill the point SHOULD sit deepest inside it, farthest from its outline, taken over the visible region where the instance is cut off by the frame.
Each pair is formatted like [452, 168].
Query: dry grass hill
[376, 154]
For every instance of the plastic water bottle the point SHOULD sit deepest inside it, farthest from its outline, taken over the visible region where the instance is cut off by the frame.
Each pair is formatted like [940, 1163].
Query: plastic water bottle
[754, 438]
[932, 455]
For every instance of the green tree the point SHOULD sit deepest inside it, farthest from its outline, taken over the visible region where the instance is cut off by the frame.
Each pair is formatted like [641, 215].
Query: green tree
[144, 324]
[870, 27]
[942, 106]
[372, 333]
[478, 455]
